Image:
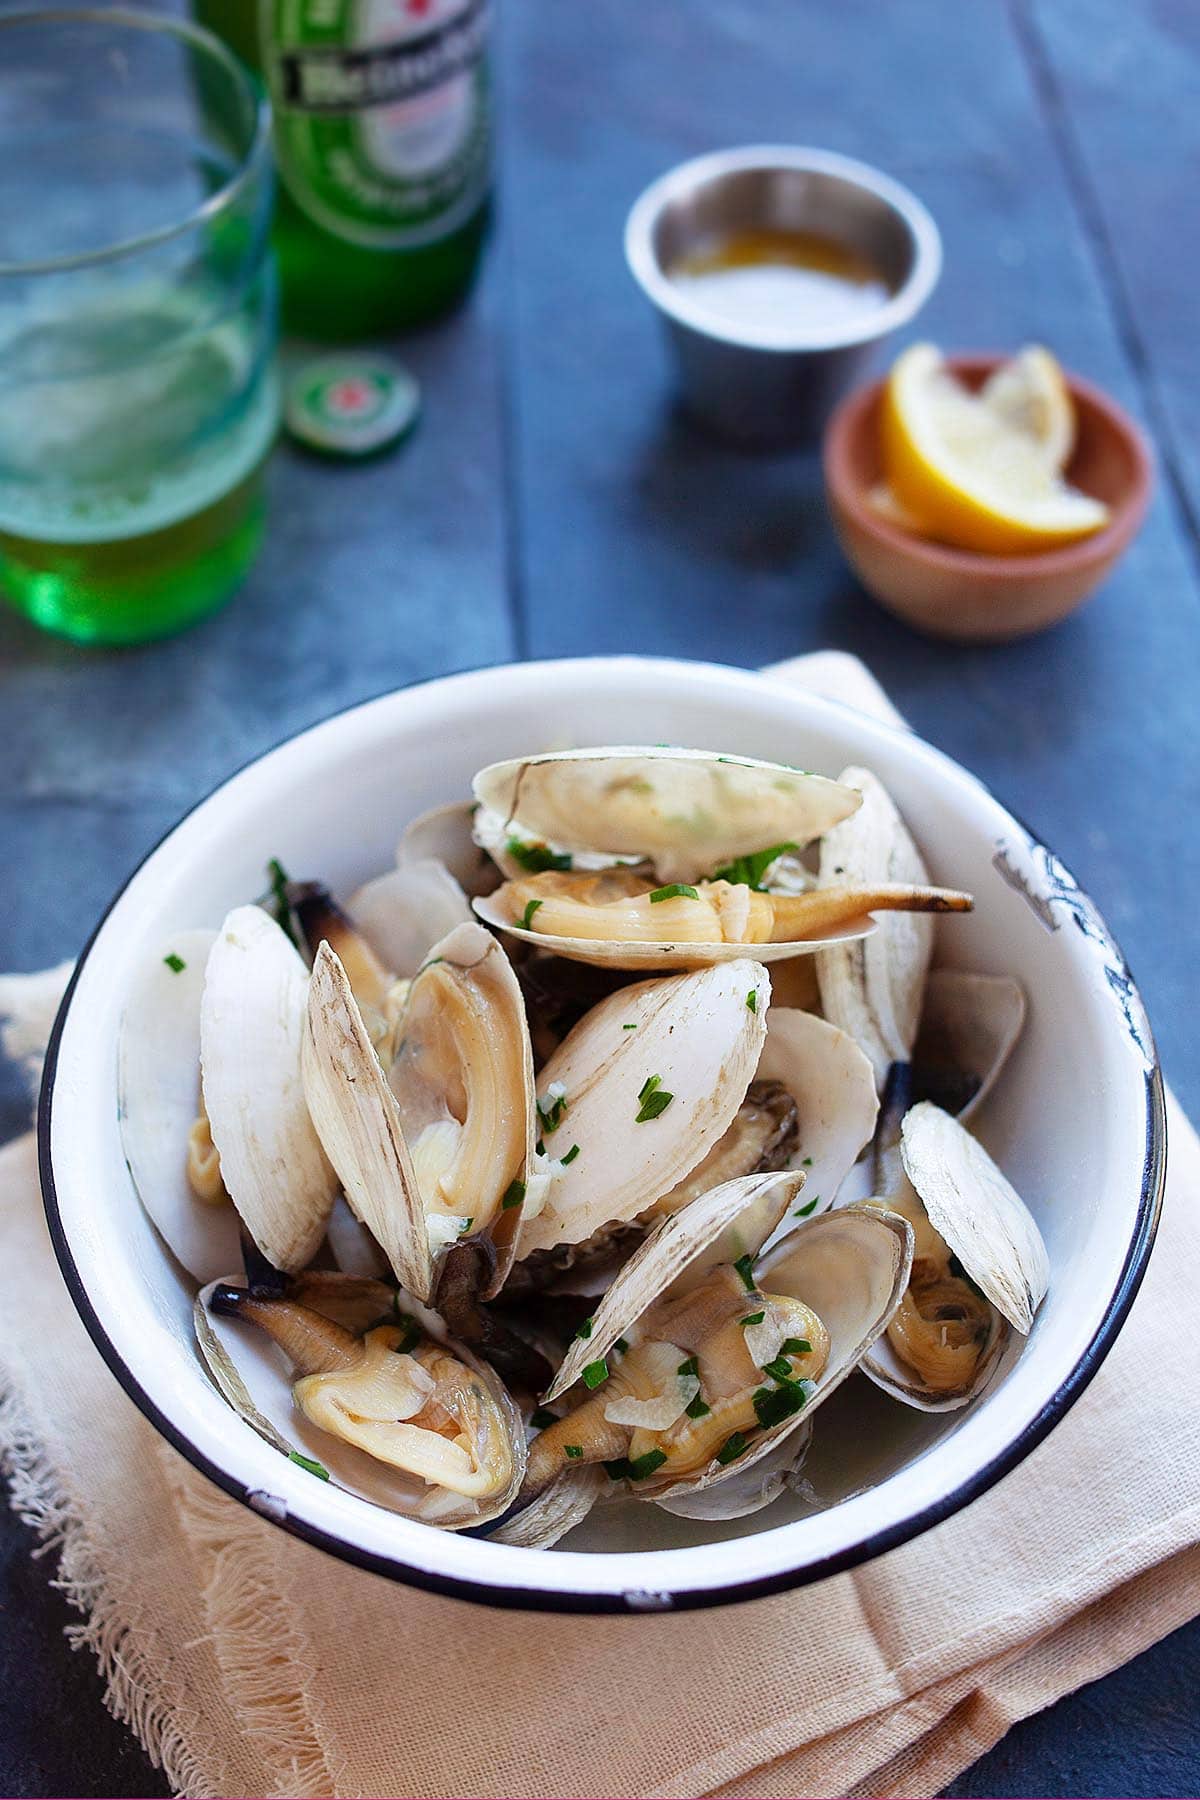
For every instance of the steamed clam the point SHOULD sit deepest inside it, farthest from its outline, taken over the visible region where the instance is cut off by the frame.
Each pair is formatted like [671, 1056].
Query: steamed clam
[385, 1407]
[699, 1357]
[979, 1267]
[702, 830]
[448, 1125]
[543, 1152]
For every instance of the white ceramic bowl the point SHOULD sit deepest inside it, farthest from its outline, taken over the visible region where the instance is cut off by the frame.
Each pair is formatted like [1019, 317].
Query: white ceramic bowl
[1077, 1122]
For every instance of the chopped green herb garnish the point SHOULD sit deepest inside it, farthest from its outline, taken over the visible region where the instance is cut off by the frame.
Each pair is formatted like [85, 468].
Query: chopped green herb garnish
[572, 1153]
[629, 1027]
[697, 1409]
[745, 1268]
[753, 1319]
[752, 1000]
[283, 908]
[795, 1347]
[648, 1086]
[690, 1367]
[551, 1111]
[809, 1206]
[653, 1106]
[535, 859]
[674, 890]
[310, 1463]
[595, 1373]
[540, 1147]
[621, 1469]
[543, 1417]
[573, 1449]
[514, 1193]
[732, 1447]
[622, 1344]
[806, 1163]
[175, 963]
[779, 1367]
[412, 1333]
[774, 1404]
[585, 1330]
[466, 1226]
[748, 871]
[527, 915]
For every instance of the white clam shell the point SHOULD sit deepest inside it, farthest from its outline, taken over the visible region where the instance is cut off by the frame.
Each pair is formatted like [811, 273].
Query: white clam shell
[446, 835]
[404, 912]
[159, 1097]
[686, 811]
[991, 1232]
[687, 1244]
[749, 1489]
[253, 1376]
[833, 1085]
[970, 1024]
[501, 1044]
[566, 1503]
[358, 1122]
[252, 1013]
[873, 988]
[977, 1210]
[697, 1034]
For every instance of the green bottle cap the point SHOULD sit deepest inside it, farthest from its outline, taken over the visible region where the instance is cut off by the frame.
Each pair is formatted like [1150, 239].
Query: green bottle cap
[351, 405]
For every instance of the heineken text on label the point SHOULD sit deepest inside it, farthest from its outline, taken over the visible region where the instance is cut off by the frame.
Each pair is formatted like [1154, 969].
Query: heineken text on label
[381, 113]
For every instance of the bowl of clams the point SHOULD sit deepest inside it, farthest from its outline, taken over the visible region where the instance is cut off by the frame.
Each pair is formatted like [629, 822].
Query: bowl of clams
[610, 1135]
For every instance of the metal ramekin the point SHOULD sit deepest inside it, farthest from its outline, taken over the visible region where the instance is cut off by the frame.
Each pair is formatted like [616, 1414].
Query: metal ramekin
[778, 384]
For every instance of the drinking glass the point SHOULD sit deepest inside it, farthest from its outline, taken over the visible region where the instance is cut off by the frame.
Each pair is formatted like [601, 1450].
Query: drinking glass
[138, 392]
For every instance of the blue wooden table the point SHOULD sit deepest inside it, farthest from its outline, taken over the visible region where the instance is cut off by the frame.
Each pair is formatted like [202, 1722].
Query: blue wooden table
[553, 502]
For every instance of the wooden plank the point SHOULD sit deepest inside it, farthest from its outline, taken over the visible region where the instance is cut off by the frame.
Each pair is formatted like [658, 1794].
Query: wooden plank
[636, 532]
[1120, 86]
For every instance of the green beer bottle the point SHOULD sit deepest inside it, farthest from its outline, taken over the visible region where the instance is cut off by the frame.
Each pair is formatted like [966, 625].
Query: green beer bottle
[383, 147]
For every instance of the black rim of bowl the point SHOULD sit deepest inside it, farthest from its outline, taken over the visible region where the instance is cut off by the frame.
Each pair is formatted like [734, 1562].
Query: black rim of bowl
[867, 1547]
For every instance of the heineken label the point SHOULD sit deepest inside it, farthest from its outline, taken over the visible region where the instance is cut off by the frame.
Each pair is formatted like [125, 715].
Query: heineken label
[381, 113]
[351, 404]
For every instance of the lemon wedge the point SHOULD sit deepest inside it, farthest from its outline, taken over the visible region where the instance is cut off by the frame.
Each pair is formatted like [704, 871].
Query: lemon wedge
[982, 474]
[1030, 394]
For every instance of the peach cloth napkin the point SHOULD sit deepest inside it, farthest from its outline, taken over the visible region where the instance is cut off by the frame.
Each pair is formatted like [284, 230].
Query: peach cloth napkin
[248, 1663]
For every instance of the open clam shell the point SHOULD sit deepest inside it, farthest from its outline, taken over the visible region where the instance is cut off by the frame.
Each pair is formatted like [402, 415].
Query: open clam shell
[834, 1088]
[685, 811]
[692, 1041]
[253, 1375]
[357, 1120]
[445, 834]
[463, 1049]
[159, 1097]
[969, 1026]
[873, 988]
[404, 912]
[566, 1503]
[252, 1013]
[851, 1268]
[978, 1211]
[727, 1222]
[950, 1180]
[452, 1123]
[750, 1488]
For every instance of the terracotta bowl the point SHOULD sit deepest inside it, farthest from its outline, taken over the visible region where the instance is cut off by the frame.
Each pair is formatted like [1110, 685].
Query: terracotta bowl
[962, 594]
